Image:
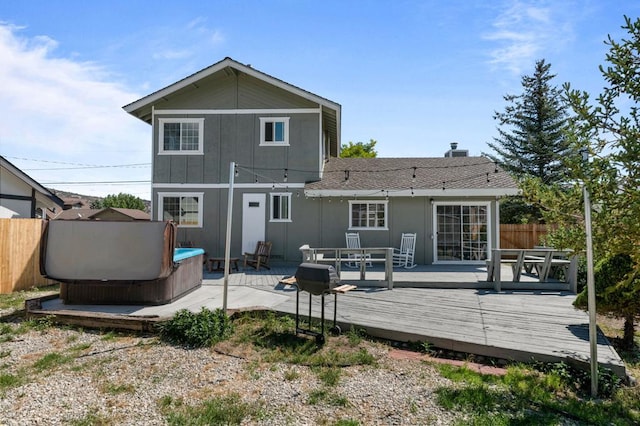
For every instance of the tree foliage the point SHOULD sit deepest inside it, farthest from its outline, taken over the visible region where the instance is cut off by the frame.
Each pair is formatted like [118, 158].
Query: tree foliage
[359, 149]
[122, 200]
[531, 140]
[608, 129]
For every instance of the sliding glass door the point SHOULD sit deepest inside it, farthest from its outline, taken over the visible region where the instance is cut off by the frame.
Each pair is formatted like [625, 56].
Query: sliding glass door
[462, 232]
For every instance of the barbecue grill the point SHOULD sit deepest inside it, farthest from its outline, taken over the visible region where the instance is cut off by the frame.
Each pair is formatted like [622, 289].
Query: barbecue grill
[318, 280]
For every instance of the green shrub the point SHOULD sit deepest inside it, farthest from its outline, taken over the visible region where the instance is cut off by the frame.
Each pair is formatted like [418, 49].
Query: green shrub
[205, 328]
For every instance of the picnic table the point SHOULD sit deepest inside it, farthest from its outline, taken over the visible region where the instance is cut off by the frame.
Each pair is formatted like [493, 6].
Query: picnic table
[537, 261]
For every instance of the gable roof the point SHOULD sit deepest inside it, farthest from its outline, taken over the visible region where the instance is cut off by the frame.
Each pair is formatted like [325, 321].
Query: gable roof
[8, 166]
[95, 214]
[439, 176]
[331, 111]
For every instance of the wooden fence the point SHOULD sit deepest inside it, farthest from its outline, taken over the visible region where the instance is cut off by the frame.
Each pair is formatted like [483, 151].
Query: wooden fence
[20, 255]
[522, 236]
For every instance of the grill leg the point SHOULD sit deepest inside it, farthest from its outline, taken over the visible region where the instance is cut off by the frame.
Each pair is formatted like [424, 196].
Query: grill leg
[335, 329]
[322, 315]
[297, 310]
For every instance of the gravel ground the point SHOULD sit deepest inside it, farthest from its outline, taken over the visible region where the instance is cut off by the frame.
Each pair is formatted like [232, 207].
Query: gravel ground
[121, 380]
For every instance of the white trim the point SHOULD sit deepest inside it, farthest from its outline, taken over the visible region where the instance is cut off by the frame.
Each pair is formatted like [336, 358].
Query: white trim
[434, 209]
[163, 121]
[264, 120]
[226, 185]
[462, 192]
[153, 159]
[237, 111]
[321, 147]
[497, 224]
[280, 194]
[368, 228]
[199, 195]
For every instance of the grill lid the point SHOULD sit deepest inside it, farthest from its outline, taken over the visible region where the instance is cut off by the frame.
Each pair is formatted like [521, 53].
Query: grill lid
[316, 278]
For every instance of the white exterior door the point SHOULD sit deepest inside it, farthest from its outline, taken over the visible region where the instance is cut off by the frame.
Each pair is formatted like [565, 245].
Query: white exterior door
[253, 220]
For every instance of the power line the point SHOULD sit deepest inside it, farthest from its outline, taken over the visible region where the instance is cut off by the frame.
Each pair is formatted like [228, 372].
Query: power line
[79, 165]
[127, 182]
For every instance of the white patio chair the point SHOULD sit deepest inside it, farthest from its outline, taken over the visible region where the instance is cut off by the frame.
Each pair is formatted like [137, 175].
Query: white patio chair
[353, 242]
[404, 255]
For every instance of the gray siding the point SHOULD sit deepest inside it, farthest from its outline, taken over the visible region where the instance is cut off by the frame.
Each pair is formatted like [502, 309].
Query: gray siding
[317, 222]
[236, 137]
[221, 91]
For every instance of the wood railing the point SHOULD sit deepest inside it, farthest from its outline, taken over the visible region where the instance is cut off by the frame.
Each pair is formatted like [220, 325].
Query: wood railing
[359, 257]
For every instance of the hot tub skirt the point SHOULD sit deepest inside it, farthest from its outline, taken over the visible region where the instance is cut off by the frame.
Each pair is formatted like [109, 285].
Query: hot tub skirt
[186, 278]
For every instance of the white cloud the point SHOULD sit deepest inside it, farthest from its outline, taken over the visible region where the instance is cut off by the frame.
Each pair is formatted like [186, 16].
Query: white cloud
[195, 36]
[58, 109]
[526, 30]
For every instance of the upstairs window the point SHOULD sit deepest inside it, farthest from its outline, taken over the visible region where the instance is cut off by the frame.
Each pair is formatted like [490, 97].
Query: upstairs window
[180, 136]
[368, 215]
[274, 131]
[281, 207]
[185, 209]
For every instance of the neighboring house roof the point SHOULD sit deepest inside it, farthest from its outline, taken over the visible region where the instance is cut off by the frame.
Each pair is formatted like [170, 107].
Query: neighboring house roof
[74, 203]
[441, 176]
[8, 166]
[99, 214]
[142, 108]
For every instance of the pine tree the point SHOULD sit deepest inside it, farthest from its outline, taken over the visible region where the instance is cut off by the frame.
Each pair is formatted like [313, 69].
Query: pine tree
[531, 140]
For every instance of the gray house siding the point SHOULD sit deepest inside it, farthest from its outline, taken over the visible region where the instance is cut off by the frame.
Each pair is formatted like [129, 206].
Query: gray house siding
[320, 223]
[242, 91]
[231, 100]
[236, 137]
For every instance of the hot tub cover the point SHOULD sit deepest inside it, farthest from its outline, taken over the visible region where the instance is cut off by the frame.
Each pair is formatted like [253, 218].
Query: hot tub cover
[73, 251]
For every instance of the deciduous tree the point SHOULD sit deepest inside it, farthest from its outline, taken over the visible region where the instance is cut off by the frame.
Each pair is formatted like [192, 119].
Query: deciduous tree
[359, 149]
[609, 130]
[122, 200]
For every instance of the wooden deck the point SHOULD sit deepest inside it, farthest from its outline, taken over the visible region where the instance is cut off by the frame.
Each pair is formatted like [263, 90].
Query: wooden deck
[520, 325]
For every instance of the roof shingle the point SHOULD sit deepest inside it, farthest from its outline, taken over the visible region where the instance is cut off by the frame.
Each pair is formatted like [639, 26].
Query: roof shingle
[401, 174]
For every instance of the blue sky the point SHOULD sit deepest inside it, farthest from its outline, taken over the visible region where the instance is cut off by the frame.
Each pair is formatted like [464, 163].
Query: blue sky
[413, 75]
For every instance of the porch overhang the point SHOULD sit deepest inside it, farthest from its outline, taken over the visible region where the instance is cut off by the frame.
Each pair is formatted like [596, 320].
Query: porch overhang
[430, 192]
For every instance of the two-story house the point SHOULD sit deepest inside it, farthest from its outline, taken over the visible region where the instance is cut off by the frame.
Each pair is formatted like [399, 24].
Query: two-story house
[290, 185]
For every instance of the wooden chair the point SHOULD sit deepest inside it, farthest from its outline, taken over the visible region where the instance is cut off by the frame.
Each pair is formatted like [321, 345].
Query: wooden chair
[260, 257]
[405, 254]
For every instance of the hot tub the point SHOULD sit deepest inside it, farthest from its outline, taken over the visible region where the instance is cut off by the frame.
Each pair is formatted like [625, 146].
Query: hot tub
[119, 263]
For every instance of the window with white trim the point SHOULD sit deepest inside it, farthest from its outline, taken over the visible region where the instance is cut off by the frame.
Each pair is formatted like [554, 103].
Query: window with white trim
[185, 209]
[274, 131]
[280, 207]
[368, 214]
[180, 135]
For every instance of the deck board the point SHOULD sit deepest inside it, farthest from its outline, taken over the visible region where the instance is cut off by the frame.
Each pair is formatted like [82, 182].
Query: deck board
[517, 325]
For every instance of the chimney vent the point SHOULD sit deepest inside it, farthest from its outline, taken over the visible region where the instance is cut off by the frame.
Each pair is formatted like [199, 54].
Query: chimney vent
[455, 152]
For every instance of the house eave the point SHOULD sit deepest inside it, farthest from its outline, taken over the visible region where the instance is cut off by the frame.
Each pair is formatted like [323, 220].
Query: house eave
[461, 193]
[38, 187]
[148, 100]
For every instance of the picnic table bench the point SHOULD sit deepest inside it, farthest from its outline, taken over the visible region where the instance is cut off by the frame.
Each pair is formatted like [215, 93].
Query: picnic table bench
[542, 260]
